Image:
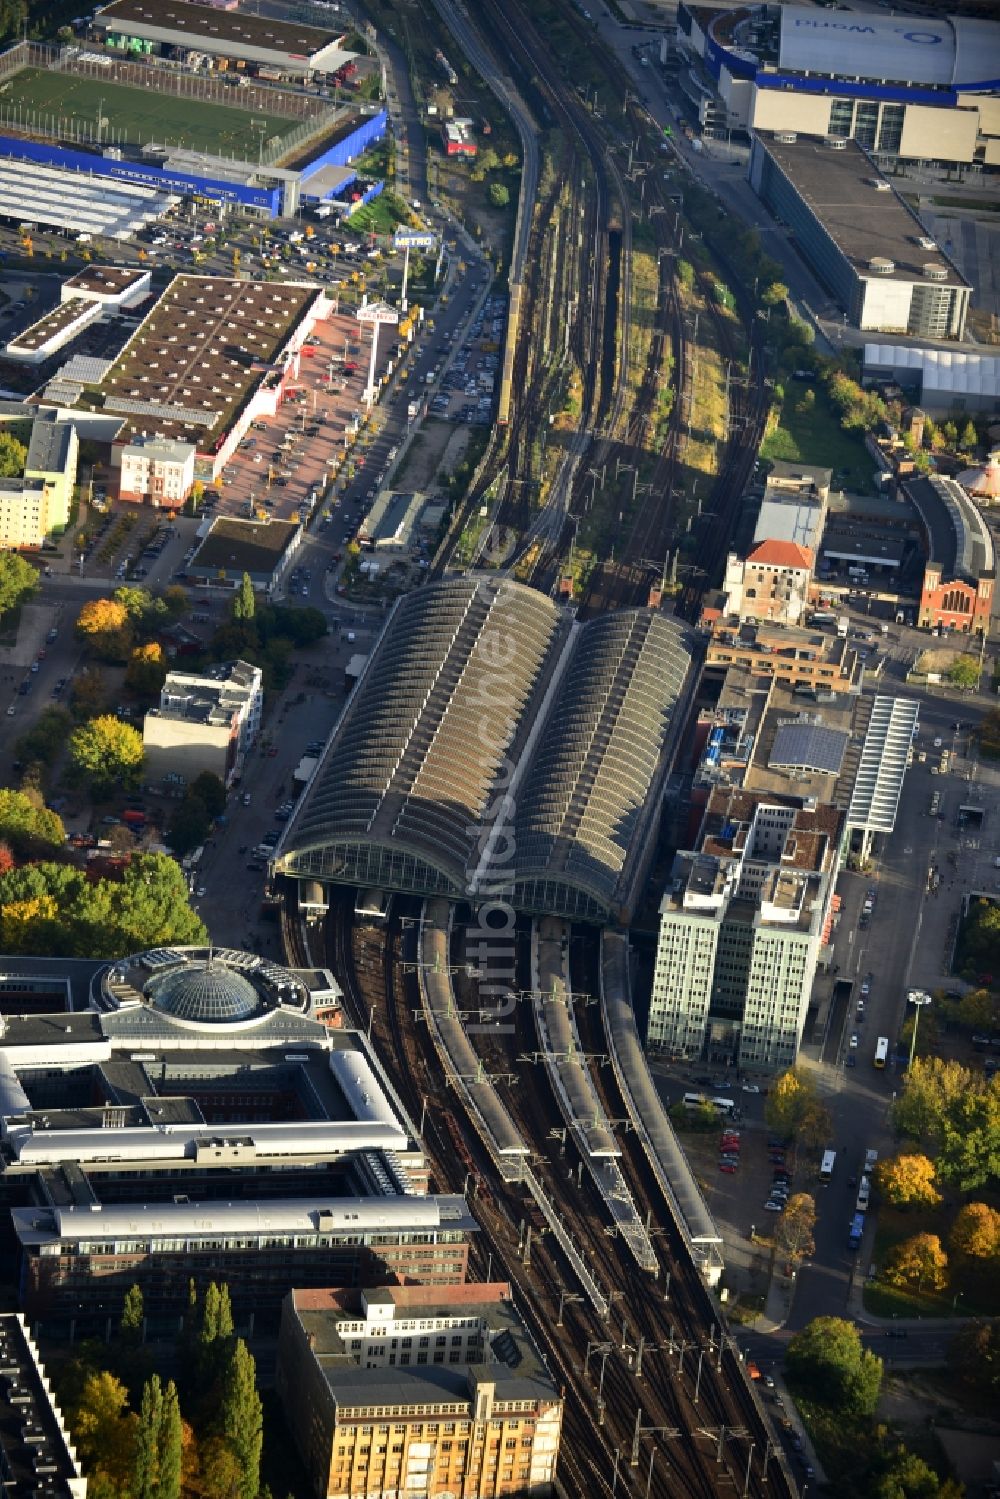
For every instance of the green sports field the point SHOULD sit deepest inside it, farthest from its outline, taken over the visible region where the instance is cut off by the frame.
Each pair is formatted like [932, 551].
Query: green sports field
[136, 116]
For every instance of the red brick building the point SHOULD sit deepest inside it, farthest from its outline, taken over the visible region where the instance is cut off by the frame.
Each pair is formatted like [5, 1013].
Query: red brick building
[956, 595]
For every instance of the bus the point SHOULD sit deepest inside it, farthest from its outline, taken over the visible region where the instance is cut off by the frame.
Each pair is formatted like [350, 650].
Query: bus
[881, 1052]
[826, 1166]
[864, 1193]
[856, 1231]
[722, 1106]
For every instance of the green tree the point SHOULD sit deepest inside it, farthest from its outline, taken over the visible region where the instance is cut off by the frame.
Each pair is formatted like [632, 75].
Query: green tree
[133, 1313]
[210, 792]
[189, 826]
[907, 1180]
[13, 456]
[89, 694]
[175, 601]
[774, 294]
[685, 274]
[242, 1419]
[906, 1476]
[499, 195]
[146, 1463]
[106, 752]
[27, 827]
[974, 1356]
[827, 1361]
[969, 437]
[171, 1445]
[950, 434]
[969, 1156]
[136, 602]
[931, 1089]
[981, 938]
[964, 673]
[244, 600]
[18, 580]
[46, 738]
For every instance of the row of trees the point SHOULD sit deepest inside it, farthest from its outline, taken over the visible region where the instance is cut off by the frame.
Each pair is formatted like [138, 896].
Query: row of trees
[144, 1448]
[54, 907]
[839, 1381]
[955, 1114]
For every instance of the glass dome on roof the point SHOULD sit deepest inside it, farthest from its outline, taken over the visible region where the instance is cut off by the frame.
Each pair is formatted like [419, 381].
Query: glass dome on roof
[207, 992]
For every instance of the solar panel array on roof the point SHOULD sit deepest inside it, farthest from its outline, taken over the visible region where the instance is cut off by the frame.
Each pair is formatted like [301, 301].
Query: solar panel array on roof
[809, 746]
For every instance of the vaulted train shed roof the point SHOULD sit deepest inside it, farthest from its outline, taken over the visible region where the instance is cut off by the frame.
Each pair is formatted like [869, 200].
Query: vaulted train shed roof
[493, 745]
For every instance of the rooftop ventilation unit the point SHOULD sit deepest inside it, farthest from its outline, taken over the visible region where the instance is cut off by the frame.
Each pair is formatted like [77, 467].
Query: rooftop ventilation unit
[935, 272]
[786, 137]
[925, 242]
[836, 142]
[879, 265]
[882, 187]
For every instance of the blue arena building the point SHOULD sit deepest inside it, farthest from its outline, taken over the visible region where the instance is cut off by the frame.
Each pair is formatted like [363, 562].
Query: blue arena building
[909, 89]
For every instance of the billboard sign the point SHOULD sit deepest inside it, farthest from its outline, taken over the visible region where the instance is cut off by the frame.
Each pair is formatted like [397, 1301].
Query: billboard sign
[413, 239]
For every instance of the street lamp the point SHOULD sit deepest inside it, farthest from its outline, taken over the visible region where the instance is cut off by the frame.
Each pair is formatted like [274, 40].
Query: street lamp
[918, 999]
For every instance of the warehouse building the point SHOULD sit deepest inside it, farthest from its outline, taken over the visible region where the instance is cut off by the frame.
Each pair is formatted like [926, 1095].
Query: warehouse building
[287, 46]
[211, 356]
[862, 241]
[417, 1390]
[912, 91]
[942, 382]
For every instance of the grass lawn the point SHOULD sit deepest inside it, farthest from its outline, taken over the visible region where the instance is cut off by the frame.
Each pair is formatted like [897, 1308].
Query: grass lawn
[817, 437]
[140, 115]
[381, 216]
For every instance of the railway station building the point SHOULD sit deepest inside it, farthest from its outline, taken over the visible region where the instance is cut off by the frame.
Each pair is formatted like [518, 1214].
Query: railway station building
[482, 695]
[417, 1389]
[194, 1113]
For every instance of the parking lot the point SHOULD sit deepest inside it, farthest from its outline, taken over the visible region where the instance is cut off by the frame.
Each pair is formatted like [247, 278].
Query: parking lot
[469, 389]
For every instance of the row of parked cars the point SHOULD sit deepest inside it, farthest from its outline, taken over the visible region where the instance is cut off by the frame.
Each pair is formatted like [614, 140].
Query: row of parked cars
[781, 1178]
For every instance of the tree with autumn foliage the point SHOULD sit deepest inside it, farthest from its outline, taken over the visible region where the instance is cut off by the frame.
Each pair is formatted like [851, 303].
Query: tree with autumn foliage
[975, 1234]
[105, 628]
[147, 669]
[104, 1432]
[794, 1111]
[796, 1227]
[919, 1264]
[908, 1181]
[106, 752]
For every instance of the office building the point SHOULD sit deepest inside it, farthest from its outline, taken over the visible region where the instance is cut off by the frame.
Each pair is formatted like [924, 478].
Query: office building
[203, 723]
[417, 1390]
[746, 915]
[194, 1114]
[859, 237]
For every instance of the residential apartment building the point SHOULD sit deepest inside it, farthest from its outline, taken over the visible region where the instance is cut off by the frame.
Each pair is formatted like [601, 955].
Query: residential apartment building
[743, 923]
[157, 469]
[418, 1390]
[204, 723]
[36, 504]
